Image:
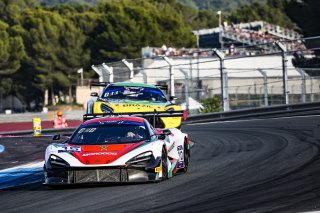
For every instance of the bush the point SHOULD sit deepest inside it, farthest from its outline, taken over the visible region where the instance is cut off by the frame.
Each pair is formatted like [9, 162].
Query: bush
[210, 105]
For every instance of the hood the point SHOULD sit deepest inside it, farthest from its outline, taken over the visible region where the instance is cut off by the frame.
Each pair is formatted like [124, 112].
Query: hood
[103, 154]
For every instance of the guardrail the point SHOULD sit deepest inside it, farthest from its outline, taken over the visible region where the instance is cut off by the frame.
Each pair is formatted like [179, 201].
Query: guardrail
[27, 117]
[44, 132]
[261, 112]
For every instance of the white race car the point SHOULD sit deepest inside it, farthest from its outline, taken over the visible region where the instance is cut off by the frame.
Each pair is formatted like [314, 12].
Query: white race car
[117, 149]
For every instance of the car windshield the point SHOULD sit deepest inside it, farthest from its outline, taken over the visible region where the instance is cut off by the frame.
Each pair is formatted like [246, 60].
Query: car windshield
[109, 134]
[134, 94]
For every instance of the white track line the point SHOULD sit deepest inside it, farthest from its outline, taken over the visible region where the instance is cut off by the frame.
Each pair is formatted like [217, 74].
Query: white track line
[36, 164]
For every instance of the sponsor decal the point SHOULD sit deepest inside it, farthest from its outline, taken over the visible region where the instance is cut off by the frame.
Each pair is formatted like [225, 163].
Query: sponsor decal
[171, 147]
[180, 152]
[87, 130]
[136, 105]
[1, 148]
[180, 165]
[113, 121]
[158, 169]
[99, 154]
[70, 149]
[104, 147]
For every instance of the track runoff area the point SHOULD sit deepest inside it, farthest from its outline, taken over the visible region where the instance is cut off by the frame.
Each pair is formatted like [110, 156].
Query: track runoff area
[249, 165]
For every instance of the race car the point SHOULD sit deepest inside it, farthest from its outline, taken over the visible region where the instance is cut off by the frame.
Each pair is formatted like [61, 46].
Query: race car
[131, 98]
[117, 149]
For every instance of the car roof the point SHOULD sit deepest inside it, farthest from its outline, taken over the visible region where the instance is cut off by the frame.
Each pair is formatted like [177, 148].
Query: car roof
[117, 118]
[130, 84]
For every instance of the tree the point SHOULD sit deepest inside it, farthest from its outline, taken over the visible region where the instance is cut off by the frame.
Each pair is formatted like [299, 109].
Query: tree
[306, 14]
[54, 51]
[11, 53]
[210, 105]
[197, 19]
[258, 11]
[122, 29]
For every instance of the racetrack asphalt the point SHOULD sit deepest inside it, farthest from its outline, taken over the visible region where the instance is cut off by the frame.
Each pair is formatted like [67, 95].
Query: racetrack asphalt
[270, 165]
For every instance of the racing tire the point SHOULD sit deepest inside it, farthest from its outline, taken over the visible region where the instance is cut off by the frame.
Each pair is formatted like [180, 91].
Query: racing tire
[186, 157]
[164, 163]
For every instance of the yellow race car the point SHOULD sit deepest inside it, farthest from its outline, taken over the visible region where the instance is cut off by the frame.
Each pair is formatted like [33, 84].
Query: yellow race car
[135, 99]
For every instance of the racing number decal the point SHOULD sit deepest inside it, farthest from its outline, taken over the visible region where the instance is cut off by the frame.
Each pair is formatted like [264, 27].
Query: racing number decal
[180, 152]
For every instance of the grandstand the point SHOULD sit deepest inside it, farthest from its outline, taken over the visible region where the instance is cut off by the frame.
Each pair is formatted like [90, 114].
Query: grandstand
[252, 38]
[252, 33]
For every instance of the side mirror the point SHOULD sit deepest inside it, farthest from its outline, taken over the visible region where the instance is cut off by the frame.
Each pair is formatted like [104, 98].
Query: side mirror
[162, 136]
[173, 98]
[94, 94]
[56, 137]
[166, 131]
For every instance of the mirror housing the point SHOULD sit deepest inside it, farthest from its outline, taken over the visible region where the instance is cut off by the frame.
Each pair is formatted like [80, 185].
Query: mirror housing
[173, 98]
[56, 137]
[162, 136]
[166, 131]
[94, 94]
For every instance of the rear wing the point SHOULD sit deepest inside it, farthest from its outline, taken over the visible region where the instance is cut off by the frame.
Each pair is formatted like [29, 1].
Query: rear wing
[163, 87]
[99, 84]
[152, 117]
[104, 84]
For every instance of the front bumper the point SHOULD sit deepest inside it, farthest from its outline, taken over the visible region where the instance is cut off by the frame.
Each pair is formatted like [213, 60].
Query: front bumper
[81, 175]
[98, 176]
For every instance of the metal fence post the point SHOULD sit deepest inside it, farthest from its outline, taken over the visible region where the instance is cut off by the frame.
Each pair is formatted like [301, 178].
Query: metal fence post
[99, 72]
[144, 76]
[303, 84]
[237, 90]
[265, 86]
[186, 88]
[102, 73]
[249, 95]
[224, 81]
[284, 71]
[169, 61]
[311, 89]
[110, 71]
[130, 67]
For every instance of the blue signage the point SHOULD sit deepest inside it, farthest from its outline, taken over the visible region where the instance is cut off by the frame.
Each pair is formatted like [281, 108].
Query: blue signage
[1, 148]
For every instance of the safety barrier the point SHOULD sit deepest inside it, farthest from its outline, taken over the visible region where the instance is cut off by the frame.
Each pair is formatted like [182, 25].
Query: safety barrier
[261, 112]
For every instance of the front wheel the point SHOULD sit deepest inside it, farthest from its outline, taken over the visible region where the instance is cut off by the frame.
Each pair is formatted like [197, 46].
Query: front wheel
[186, 156]
[164, 163]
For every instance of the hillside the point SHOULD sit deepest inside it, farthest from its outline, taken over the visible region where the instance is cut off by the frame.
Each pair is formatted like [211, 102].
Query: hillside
[54, 2]
[226, 5]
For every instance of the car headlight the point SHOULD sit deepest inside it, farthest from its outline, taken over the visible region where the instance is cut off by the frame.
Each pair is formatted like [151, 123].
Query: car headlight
[141, 159]
[56, 161]
[106, 109]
